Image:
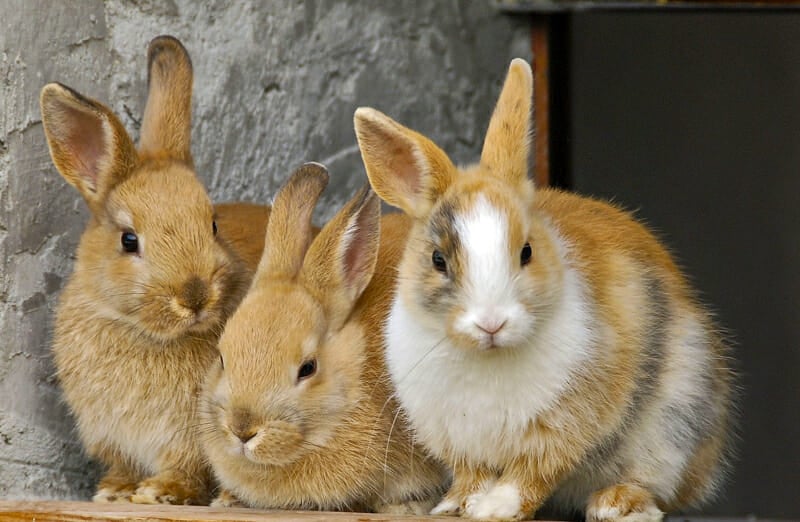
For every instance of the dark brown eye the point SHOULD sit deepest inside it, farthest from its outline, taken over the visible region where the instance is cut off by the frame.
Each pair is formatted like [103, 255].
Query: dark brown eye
[214, 227]
[525, 255]
[307, 369]
[130, 243]
[438, 262]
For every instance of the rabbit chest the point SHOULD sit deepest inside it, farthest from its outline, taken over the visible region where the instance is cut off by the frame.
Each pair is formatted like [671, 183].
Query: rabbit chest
[479, 405]
[129, 395]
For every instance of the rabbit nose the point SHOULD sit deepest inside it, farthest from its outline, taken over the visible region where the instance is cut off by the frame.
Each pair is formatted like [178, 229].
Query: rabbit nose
[194, 294]
[241, 424]
[245, 436]
[491, 327]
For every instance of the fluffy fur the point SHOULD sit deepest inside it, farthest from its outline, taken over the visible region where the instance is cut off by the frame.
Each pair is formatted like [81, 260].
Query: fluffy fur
[332, 439]
[544, 344]
[136, 331]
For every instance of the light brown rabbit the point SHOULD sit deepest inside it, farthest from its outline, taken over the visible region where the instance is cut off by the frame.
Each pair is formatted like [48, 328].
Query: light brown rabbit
[298, 413]
[137, 324]
[543, 344]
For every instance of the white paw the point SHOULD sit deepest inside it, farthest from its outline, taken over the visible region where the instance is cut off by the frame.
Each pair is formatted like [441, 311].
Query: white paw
[446, 507]
[614, 514]
[501, 502]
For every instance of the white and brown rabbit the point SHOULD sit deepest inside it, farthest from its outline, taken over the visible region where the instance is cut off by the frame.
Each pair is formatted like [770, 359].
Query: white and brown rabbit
[298, 413]
[543, 344]
[137, 324]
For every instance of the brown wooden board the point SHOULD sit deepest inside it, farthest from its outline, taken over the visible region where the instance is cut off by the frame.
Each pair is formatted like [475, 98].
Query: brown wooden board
[54, 511]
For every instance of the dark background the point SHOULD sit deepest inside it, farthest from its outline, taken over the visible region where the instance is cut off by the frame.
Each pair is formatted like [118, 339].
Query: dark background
[693, 120]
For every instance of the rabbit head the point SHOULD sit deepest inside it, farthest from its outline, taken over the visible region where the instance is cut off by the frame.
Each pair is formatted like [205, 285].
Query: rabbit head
[149, 256]
[479, 265]
[290, 366]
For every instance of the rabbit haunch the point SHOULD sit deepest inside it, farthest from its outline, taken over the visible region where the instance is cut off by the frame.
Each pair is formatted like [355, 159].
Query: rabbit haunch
[568, 355]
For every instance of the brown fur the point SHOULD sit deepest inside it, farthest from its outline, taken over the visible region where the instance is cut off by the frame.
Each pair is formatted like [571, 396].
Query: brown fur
[334, 440]
[136, 332]
[644, 321]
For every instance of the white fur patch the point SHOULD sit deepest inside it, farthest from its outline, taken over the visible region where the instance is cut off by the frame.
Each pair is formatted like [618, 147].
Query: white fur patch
[490, 298]
[502, 502]
[479, 404]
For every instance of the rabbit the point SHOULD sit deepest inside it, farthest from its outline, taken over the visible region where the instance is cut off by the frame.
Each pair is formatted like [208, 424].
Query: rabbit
[544, 345]
[137, 323]
[298, 412]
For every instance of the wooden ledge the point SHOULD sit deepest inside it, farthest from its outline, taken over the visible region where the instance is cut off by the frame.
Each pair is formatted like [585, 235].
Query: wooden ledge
[51, 511]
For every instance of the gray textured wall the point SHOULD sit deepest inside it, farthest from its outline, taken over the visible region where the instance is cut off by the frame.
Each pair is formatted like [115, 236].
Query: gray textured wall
[276, 83]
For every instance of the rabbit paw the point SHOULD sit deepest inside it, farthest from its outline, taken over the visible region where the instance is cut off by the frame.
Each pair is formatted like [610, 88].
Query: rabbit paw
[501, 502]
[108, 494]
[447, 506]
[410, 507]
[623, 503]
[116, 486]
[166, 490]
[226, 499]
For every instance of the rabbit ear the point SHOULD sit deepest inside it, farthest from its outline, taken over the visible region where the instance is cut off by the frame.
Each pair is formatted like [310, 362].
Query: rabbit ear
[167, 123]
[88, 144]
[406, 169]
[507, 143]
[289, 227]
[341, 260]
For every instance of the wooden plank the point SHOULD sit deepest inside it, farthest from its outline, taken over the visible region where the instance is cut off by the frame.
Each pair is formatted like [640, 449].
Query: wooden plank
[55, 511]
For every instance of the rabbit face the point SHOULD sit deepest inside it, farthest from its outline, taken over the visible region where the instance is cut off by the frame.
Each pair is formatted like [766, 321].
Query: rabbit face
[281, 387]
[154, 256]
[479, 268]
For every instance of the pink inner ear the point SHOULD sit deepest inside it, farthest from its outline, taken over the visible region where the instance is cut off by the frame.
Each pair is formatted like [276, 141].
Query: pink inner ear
[405, 167]
[360, 253]
[85, 143]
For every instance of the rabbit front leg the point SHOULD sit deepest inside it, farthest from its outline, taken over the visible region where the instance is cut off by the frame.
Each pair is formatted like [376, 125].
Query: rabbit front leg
[623, 503]
[117, 485]
[516, 495]
[178, 483]
[227, 499]
[467, 480]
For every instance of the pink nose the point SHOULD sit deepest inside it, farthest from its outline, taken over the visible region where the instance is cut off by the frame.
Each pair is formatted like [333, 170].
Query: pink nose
[491, 327]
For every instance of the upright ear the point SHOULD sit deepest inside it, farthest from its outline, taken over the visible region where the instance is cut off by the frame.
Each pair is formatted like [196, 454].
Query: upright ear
[167, 123]
[289, 227]
[405, 168]
[506, 147]
[341, 260]
[88, 144]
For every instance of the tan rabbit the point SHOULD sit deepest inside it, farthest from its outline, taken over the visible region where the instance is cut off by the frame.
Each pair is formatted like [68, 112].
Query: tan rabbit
[137, 324]
[544, 344]
[298, 412]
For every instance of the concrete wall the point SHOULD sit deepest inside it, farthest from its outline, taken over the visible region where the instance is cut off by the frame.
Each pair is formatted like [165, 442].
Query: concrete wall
[276, 83]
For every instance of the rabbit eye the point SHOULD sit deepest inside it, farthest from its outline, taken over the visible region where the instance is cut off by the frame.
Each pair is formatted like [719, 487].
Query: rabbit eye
[438, 262]
[221, 361]
[525, 255]
[130, 243]
[307, 369]
[214, 227]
